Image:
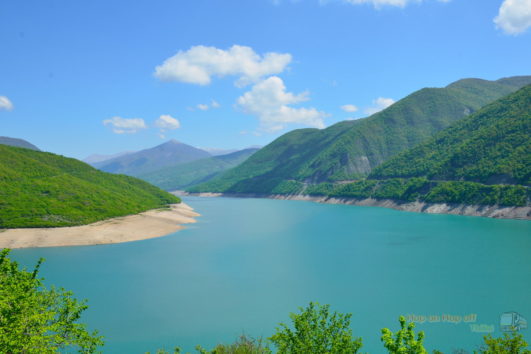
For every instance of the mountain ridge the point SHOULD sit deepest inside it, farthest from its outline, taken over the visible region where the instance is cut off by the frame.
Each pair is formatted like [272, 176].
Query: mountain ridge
[352, 149]
[148, 160]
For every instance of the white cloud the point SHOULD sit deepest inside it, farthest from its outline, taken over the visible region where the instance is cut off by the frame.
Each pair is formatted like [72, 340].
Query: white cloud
[206, 106]
[269, 101]
[349, 108]
[379, 104]
[167, 122]
[125, 125]
[200, 63]
[514, 16]
[5, 104]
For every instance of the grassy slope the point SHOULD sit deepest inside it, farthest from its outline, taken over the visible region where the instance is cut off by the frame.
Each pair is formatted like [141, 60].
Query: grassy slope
[186, 175]
[351, 149]
[39, 189]
[482, 159]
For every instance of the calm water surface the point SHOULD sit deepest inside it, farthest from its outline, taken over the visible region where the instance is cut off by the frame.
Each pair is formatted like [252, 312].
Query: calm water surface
[247, 263]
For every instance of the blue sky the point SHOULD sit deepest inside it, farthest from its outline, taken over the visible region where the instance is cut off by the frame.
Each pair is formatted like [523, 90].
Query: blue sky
[83, 77]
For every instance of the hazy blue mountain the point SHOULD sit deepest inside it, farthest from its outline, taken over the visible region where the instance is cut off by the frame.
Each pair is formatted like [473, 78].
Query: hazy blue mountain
[96, 158]
[168, 154]
[18, 143]
[189, 174]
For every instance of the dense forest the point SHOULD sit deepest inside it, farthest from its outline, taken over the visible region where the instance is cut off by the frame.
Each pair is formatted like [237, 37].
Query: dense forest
[350, 150]
[482, 159]
[40, 189]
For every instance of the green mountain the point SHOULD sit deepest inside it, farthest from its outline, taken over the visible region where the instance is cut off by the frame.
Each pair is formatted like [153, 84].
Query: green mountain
[490, 147]
[352, 149]
[17, 142]
[189, 174]
[482, 159]
[40, 189]
[149, 160]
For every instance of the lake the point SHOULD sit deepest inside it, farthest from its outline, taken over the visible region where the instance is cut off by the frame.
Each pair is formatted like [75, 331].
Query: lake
[248, 263]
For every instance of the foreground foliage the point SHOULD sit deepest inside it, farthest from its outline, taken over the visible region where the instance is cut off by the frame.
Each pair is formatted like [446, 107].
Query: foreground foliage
[316, 330]
[513, 343]
[403, 341]
[34, 319]
[40, 189]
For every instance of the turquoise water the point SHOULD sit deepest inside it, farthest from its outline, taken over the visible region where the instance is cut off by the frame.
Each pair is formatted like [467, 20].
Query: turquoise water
[247, 263]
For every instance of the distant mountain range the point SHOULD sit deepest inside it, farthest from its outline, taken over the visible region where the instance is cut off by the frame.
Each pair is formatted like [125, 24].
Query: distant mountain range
[41, 189]
[95, 158]
[18, 143]
[186, 175]
[172, 165]
[351, 150]
[149, 160]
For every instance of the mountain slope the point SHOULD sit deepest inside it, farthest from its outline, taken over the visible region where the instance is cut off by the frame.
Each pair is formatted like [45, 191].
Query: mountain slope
[493, 146]
[484, 159]
[18, 143]
[351, 149]
[186, 175]
[145, 161]
[40, 189]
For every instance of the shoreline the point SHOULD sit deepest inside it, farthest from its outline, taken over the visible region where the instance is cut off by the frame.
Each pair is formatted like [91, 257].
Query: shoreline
[489, 211]
[149, 224]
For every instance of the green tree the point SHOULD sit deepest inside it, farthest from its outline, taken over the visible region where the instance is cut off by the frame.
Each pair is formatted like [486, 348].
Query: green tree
[404, 341]
[316, 330]
[34, 319]
[513, 343]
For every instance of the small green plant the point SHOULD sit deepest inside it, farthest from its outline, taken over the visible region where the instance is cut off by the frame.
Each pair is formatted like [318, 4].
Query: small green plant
[404, 341]
[317, 330]
[34, 319]
[513, 343]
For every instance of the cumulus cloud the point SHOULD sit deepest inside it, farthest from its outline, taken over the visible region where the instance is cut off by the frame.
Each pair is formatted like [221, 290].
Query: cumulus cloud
[270, 102]
[514, 16]
[200, 63]
[380, 103]
[203, 107]
[121, 125]
[349, 108]
[167, 122]
[5, 104]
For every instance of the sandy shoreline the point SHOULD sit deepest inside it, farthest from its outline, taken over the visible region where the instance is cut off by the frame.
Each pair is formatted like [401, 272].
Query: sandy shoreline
[489, 211]
[149, 224]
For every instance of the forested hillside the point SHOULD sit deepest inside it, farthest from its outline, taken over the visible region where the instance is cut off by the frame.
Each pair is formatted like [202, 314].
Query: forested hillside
[40, 189]
[350, 150]
[484, 159]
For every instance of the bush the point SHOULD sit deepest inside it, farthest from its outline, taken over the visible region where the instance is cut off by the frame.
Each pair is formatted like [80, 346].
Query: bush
[34, 319]
[316, 330]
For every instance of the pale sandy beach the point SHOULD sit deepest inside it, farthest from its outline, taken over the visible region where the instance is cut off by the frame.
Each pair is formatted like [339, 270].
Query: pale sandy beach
[149, 224]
